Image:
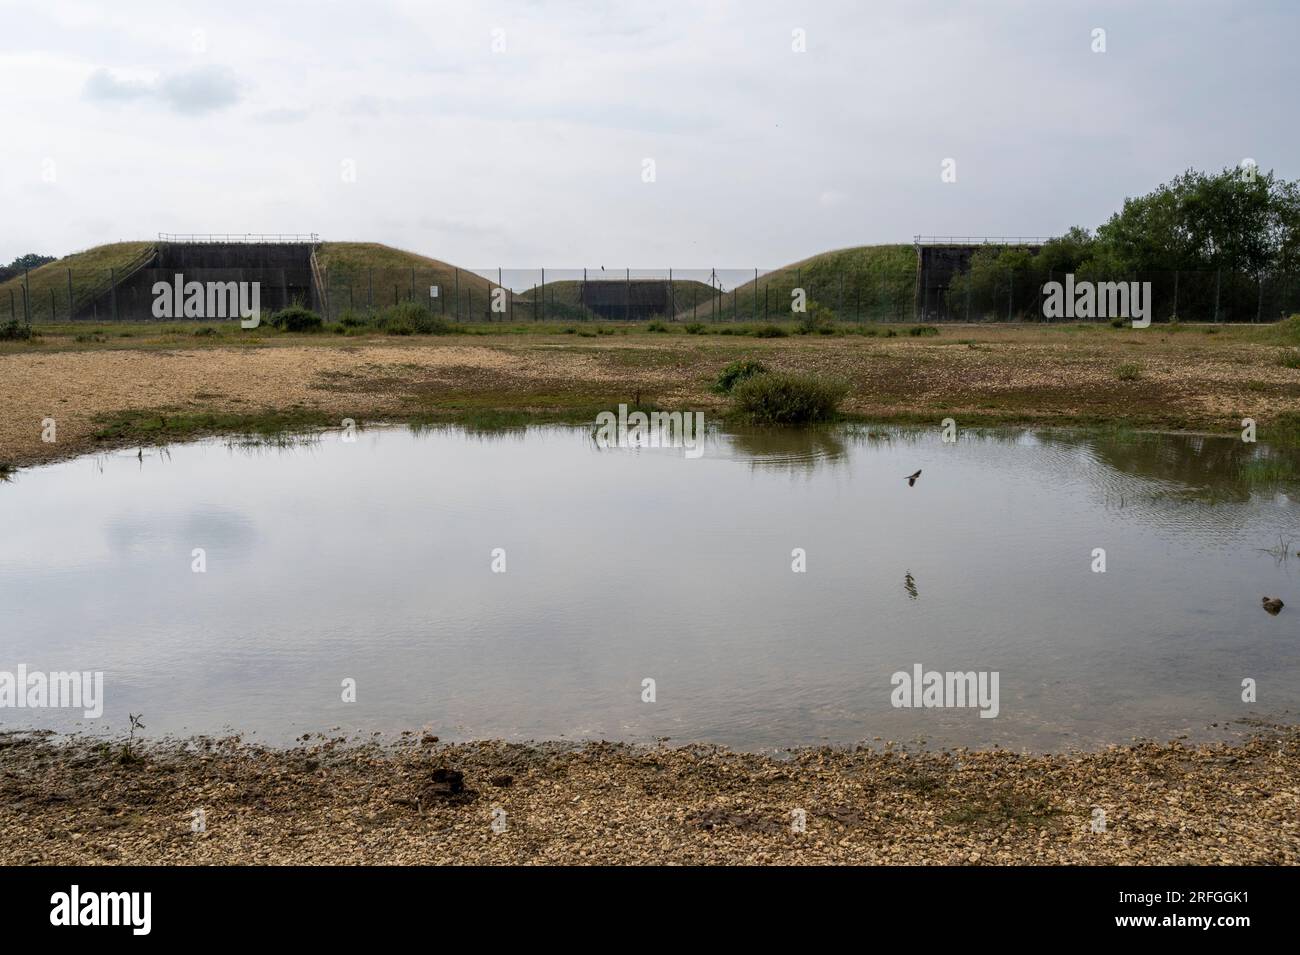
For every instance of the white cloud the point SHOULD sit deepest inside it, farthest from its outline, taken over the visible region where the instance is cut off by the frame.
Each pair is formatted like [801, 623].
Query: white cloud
[533, 156]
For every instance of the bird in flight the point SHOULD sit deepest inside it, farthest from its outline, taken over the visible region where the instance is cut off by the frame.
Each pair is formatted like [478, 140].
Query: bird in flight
[1273, 605]
[911, 478]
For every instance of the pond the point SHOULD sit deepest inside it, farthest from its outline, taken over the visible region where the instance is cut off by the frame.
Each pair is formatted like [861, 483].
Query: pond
[527, 584]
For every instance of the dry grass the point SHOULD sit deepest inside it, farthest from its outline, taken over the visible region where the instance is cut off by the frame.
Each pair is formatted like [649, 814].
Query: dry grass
[975, 374]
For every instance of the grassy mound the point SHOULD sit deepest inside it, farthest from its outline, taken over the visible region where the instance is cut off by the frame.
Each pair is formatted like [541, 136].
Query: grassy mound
[870, 282]
[91, 274]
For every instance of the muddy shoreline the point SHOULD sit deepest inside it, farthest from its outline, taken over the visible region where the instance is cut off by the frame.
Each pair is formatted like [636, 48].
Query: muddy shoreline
[419, 801]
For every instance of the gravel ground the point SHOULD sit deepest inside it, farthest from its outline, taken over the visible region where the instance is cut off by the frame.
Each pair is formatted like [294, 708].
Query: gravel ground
[990, 374]
[82, 801]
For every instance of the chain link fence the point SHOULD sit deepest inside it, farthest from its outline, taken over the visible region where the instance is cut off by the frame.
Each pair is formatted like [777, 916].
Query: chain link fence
[884, 294]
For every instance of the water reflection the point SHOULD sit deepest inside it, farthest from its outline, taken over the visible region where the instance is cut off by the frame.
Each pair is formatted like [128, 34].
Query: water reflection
[372, 559]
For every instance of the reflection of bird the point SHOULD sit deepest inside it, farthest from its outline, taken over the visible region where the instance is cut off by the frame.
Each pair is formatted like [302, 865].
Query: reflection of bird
[909, 584]
[1273, 605]
[911, 478]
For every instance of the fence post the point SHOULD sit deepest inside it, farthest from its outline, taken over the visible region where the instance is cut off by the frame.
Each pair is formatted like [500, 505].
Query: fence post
[627, 305]
[543, 293]
[13, 311]
[370, 289]
[70, 315]
[1176, 274]
[1217, 274]
[672, 295]
[112, 286]
[458, 294]
[52, 312]
[412, 283]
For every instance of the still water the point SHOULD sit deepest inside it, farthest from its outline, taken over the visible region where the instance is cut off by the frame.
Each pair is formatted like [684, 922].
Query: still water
[372, 561]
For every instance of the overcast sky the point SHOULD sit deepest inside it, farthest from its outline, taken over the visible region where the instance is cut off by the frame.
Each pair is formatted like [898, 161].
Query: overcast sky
[122, 119]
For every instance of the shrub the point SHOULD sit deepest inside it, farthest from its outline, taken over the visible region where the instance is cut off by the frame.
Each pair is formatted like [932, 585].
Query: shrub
[1288, 331]
[408, 318]
[15, 331]
[780, 398]
[920, 331]
[736, 372]
[694, 328]
[205, 331]
[1118, 322]
[1129, 371]
[296, 318]
[656, 327]
[769, 331]
[817, 320]
[1289, 359]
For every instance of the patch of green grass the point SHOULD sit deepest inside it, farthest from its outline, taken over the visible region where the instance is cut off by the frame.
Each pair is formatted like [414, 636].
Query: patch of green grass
[1267, 470]
[1289, 358]
[783, 398]
[768, 331]
[921, 331]
[1282, 431]
[1128, 371]
[737, 371]
[160, 426]
[1287, 331]
[659, 327]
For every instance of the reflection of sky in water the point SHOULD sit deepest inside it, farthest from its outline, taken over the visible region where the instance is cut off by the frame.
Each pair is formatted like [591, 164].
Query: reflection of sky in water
[371, 560]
